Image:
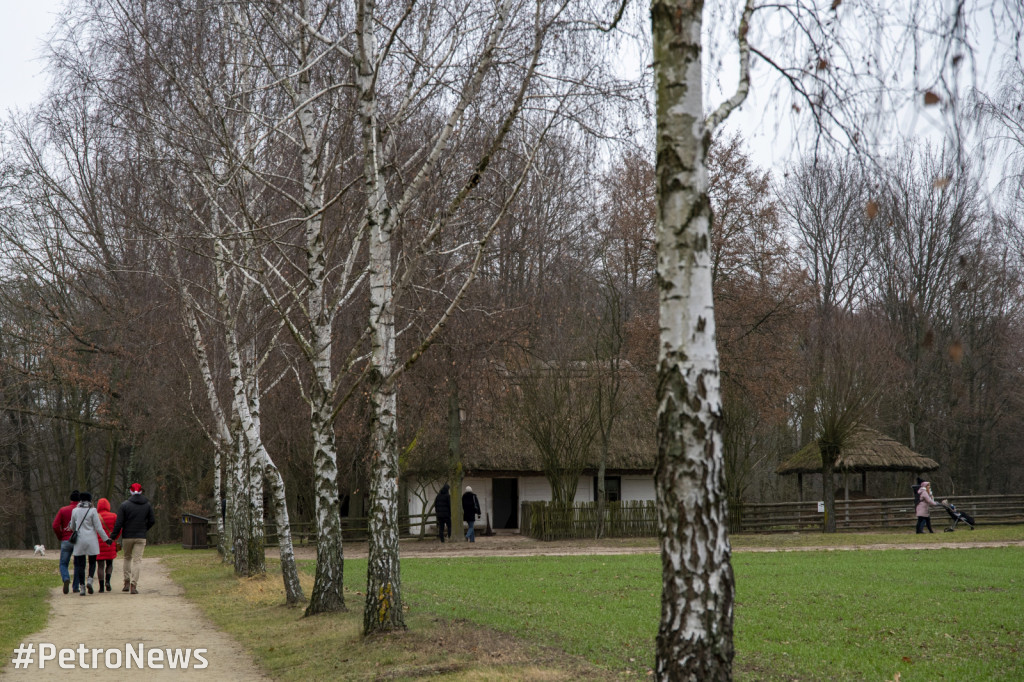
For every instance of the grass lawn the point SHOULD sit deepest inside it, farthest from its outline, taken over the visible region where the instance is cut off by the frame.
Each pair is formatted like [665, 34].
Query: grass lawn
[889, 537]
[938, 614]
[928, 614]
[24, 585]
[330, 646]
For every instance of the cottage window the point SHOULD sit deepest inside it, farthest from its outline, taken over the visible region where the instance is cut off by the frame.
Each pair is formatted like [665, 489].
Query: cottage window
[612, 488]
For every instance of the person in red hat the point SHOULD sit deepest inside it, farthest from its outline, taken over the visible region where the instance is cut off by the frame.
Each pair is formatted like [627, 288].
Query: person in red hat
[134, 519]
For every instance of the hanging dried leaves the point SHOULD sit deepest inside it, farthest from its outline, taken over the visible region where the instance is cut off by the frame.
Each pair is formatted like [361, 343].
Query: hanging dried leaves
[930, 98]
[956, 351]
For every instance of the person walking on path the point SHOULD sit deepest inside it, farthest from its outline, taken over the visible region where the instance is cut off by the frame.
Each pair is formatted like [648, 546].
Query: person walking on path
[87, 523]
[924, 504]
[62, 529]
[108, 551]
[443, 512]
[470, 512]
[134, 519]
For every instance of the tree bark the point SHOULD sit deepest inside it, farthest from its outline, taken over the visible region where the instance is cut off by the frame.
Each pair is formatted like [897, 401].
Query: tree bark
[695, 636]
[455, 454]
[383, 611]
[328, 585]
[829, 456]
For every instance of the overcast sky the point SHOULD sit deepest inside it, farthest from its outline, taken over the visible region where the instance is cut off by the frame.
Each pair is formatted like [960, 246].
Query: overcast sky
[23, 26]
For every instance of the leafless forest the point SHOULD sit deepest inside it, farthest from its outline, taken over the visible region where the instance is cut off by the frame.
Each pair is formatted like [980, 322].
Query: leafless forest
[298, 236]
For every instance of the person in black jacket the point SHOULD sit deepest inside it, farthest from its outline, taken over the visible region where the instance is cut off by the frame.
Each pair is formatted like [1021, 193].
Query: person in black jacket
[470, 512]
[443, 512]
[134, 519]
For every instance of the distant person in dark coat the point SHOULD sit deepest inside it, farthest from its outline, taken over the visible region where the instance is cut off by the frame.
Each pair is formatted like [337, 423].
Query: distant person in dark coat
[443, 512]
[134, 519]
[470, 512]
[62, 529]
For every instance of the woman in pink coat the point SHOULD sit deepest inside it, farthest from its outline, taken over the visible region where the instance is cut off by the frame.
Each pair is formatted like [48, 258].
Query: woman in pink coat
[924, 504]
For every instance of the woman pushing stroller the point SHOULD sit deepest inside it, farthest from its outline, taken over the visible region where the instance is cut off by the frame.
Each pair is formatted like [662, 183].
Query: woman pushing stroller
[925, 501]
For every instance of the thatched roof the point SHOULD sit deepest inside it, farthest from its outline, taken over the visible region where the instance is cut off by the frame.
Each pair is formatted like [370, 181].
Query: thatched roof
[868, 450]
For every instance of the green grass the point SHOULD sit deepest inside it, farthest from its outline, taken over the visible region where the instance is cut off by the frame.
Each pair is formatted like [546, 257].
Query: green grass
[330, 646]
[928, 614]
[891, 537]
[949, 614]
[24, 585]
[604, 608]
[807, 616]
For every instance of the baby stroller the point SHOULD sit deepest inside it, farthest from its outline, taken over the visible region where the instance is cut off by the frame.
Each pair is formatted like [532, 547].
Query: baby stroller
[957, 516]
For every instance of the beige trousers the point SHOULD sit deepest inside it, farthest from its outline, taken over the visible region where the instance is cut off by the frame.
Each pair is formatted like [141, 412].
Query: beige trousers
[133, 549]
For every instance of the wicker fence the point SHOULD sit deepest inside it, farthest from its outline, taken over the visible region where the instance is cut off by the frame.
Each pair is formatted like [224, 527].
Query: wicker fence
[545, 521]
[353, 529]
[873, 514]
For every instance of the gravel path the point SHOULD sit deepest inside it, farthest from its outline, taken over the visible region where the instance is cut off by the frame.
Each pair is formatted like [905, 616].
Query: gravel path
[159, 617]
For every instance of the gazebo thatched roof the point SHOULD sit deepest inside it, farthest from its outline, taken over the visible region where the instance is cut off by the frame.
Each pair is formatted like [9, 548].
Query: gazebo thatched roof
[868, 450]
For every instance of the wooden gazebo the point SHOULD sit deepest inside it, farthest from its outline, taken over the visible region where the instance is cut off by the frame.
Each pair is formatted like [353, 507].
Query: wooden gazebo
[868, 450]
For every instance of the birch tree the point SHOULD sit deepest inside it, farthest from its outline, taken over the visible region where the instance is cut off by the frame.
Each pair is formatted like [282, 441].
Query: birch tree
[698, 590]
[468, 59]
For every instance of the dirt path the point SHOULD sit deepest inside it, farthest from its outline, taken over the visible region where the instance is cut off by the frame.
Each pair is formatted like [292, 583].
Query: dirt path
[514, 545]
[159, 617]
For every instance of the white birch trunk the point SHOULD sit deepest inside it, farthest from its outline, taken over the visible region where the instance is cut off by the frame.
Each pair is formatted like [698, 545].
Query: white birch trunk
[257, 544]
[289, 572]
[695, 636]
[328, 594]
[383, 611]
[228, 555]
[243, 511]
[219, 500]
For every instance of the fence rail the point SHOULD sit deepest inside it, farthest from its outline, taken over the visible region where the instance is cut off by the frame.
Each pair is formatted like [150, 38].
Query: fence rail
[874, 514]
[545, 521]
[353, 529]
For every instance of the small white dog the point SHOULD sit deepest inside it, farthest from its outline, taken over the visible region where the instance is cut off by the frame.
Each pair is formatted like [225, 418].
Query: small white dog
[40, 550]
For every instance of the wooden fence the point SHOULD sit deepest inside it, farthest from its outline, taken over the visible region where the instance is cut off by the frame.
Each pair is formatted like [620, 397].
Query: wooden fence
[353, 529]
[873, 514]
[545, 521]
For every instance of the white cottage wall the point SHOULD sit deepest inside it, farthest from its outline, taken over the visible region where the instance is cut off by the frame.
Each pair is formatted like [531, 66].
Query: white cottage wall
[638, 488]
[531, 489]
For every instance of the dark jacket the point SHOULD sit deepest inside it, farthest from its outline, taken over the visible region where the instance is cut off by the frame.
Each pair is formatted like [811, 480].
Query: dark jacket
[134, 518]
[443, 503]
[470, 506]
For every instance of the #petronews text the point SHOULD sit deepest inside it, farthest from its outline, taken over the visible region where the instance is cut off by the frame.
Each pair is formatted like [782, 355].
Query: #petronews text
[110, 659]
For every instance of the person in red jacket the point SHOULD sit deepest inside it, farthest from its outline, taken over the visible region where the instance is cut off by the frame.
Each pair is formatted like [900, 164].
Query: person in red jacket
[62, 530]
[108, 553]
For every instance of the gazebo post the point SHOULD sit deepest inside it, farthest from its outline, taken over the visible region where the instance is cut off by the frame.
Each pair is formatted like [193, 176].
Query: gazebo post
[864, 482]
[800, 487]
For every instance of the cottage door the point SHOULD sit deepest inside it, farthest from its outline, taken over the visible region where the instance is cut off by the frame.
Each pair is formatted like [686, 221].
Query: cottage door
[505, 496]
